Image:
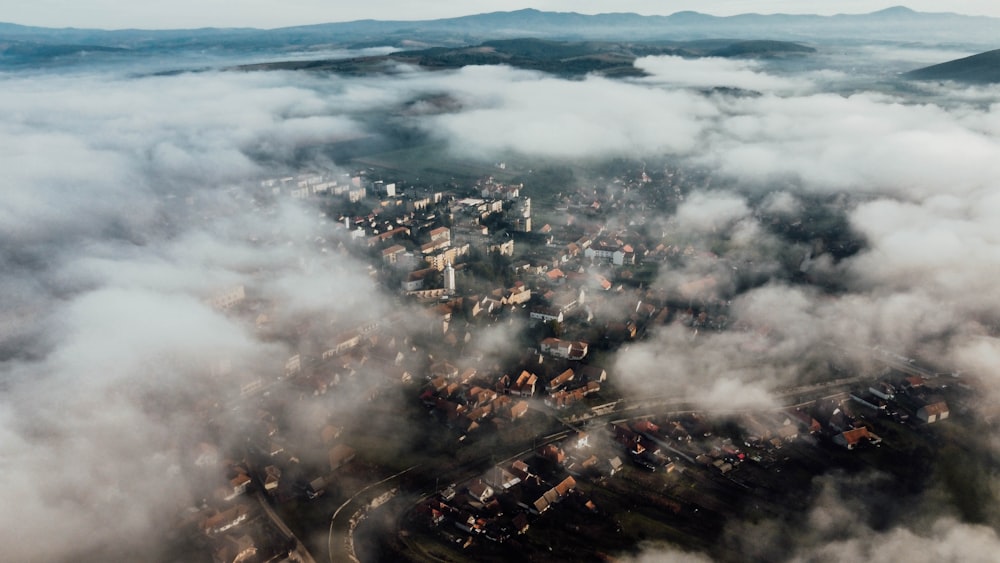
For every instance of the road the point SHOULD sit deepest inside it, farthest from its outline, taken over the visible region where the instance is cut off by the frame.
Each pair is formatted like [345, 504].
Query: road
[300, 553]
[343, 548]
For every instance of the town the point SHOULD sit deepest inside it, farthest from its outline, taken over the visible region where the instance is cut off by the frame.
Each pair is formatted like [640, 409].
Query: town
[479, 407]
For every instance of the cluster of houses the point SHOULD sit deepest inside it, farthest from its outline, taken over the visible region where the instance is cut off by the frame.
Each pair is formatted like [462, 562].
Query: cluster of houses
[577, 279]
[468, 399]
[503, 502]
[904, 398]
[228, 523]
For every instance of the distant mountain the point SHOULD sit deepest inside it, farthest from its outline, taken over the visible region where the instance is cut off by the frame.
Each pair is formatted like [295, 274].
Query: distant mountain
[565, 58]
[983, 68]
[893, 24]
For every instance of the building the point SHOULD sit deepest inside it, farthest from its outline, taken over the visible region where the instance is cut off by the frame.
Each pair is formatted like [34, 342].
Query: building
[225, 520]
[933, 412]
[440, 233]
[564, 348]
[546, 314]
[449, 279]
[225, 300]
[391, 255]
[519, 215]
[560, 380]
[448, 256]
[851, 438]
[615, 253]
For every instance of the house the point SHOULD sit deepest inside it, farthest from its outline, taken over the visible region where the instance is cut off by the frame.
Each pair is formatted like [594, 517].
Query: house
[565, 487]
[340, 455]
[443, 369]
[225, 520]
[521, 469]
[933, 412]
[593, 373]
[614, 465]
[236, 549]
[555, 276]
[614, 252]
[415, 280]
[645, 426]
[851, 438]
[237, 486]
[563, 399]
[518, 410]
[342, 343]
[564, 348]
[552, 453]
[525, 385]
[805, 421]
[546, 314]
[272, 477]
[560, 380]
[520, 523]
[516, 295]
[480, 491]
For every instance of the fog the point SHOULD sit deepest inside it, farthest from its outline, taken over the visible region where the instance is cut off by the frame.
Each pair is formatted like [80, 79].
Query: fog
[126, 208]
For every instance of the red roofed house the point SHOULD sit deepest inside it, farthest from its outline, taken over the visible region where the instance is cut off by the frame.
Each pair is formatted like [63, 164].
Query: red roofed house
[560, 380]
[525, 385]
[853, 437]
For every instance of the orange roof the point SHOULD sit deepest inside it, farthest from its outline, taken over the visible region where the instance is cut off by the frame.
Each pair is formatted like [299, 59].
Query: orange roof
[566, 486]
[855, 436]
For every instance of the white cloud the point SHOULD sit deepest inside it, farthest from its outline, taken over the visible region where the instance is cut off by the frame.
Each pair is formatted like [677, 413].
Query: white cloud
[512, 110]
[710, 72]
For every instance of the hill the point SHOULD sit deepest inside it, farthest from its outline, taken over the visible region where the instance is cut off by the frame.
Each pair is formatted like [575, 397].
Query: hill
[983, 68]
[564, 58]
[885, 25]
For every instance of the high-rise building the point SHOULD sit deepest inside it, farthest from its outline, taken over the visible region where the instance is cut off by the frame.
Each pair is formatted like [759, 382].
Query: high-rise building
[449, 278]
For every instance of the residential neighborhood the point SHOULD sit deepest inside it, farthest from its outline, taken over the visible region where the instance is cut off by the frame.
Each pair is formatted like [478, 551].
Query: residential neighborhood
[566, 297]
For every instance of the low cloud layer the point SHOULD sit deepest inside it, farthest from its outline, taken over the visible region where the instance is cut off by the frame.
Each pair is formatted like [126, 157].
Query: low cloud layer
[126, 209]
[123, 212]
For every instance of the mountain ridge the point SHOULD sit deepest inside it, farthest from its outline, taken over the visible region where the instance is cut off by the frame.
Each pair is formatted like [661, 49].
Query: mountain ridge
[981, 68]
[890, 24]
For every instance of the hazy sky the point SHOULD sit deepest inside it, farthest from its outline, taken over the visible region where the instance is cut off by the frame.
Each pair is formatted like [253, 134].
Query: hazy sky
[277, 13]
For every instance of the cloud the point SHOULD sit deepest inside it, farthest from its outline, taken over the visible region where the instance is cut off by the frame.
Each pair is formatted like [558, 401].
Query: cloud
[710, 212]
[712, 72]
[529, 113]
[129, 203]
[126, 208]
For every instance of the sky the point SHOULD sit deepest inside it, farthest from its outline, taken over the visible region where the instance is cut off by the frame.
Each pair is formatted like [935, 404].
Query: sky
[154, 14]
